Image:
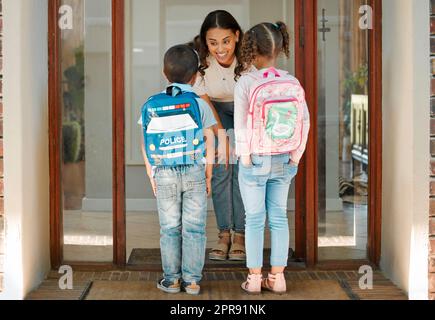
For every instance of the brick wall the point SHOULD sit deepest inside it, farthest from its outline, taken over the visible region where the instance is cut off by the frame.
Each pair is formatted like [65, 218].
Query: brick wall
[2, 234]
[432, 165]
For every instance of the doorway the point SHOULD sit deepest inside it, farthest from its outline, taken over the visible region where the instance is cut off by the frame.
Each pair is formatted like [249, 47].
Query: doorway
[109, 62]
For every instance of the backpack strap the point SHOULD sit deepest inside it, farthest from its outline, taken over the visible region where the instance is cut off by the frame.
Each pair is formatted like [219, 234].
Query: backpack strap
[271, 70]
[170, 91]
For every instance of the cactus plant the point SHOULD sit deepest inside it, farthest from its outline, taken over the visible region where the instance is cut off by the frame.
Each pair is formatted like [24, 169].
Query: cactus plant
[72, 138]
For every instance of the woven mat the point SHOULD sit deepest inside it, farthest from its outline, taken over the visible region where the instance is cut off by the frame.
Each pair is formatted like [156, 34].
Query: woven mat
[215, 290]
[151, 257]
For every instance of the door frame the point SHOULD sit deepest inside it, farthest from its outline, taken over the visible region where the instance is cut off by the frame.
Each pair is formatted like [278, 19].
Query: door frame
[306, 231]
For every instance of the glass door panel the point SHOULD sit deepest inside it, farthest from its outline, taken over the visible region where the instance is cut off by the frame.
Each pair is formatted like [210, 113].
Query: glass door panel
[151, 28]
[86, 102]
[342, 130]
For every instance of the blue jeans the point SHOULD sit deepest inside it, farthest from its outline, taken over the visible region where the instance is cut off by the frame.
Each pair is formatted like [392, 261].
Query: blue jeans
[182, 206]
[227, 201]
[264, 187]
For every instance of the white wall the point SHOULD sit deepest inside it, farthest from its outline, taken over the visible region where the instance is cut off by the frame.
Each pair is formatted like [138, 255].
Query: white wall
[26, 146]
[406, 108]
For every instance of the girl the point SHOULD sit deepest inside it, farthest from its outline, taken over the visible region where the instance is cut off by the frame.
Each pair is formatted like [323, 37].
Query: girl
[265, 179]
[218, 46]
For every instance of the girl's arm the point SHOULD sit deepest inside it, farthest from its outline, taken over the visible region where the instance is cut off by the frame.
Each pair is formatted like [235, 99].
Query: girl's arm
[241, 109]
[297, 154]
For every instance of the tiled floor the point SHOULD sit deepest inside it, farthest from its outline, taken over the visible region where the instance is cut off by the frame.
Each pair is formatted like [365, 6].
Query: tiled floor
[88, 235]
[382, 289]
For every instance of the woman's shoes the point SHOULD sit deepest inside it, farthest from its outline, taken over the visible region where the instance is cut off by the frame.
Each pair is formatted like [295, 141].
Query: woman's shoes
[237, 251]
[227, 249]
[220, 252]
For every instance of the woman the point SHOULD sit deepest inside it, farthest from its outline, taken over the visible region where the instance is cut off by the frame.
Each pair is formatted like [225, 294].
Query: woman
[218, 46]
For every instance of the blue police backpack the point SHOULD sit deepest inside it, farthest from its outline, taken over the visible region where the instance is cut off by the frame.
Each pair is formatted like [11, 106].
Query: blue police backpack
[172, 128]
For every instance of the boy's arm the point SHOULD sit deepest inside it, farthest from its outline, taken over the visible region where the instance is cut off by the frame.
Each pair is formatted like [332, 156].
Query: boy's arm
[210, 156]
[148, 166]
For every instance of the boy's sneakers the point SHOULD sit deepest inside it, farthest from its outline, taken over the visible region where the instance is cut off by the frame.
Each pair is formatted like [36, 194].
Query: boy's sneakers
[169, 286]
[190, 288]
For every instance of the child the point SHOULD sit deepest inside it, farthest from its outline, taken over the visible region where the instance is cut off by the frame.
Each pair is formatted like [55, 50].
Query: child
[271, 128]
[173, 150]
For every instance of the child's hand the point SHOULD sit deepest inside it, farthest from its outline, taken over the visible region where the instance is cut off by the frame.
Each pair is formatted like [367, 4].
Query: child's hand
[208, 186]
[246, 161]
[153, 186]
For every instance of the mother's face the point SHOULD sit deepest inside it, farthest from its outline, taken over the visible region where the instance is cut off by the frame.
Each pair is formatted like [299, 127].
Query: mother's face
[221, 44]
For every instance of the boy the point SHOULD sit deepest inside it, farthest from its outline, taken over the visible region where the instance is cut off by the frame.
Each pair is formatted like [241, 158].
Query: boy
[181, 189]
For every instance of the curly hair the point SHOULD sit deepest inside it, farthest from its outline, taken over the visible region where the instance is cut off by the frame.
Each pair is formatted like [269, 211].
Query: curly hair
[220, 19]
[265, 39]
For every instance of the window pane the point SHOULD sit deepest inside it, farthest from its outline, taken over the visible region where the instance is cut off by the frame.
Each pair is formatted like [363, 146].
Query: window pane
[343, 130]
[86, 62]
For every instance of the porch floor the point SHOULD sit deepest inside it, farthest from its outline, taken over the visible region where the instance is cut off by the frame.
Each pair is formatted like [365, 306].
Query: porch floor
[346, 281]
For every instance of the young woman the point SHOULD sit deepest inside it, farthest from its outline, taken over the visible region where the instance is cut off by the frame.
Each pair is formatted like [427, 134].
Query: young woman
[218, 46]
[268, 163]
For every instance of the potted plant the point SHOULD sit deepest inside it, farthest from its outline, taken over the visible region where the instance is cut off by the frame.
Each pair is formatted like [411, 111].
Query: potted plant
[73, 171]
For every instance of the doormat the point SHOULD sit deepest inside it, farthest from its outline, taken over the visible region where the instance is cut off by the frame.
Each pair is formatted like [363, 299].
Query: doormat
[216, 290]
[151, 258]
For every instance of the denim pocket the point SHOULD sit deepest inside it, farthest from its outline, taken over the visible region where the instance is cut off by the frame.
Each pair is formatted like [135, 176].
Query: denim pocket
[292, 170]
[166, 191]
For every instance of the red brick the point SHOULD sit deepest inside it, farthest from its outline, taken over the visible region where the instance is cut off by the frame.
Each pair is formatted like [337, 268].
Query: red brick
[432, 226]
[1, 187]
[432, 282]
[432, 147]
[432, 264]
[432, 246]
[2, 210]
[1, 167]
[432, 208]
[432, 127]
[432, 188]
[1, 148]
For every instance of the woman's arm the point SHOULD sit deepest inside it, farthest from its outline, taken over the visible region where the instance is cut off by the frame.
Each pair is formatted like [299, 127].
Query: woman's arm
[220, 132]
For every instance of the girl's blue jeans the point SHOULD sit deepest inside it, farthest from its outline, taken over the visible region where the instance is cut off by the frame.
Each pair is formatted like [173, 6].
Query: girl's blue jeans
[182, 206]
[264, 187]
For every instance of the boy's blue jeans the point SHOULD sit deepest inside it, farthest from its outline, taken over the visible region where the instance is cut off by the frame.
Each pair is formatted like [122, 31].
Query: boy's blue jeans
[182, 206]
[264, 187]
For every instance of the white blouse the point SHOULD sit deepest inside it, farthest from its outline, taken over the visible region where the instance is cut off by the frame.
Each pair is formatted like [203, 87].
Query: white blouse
[218, 82]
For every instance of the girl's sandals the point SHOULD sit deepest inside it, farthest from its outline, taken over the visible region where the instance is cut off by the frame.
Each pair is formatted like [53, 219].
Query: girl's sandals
[220, 252]
[275, 283]
[237, 251]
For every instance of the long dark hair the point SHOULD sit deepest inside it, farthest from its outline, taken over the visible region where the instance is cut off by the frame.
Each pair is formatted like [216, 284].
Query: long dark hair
[220, 19]
[265, 39]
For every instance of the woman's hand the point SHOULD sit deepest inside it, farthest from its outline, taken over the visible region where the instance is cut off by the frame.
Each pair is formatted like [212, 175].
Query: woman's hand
[208, 186]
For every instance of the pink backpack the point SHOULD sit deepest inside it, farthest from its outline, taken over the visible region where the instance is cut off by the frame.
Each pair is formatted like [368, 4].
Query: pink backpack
[276, 112]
